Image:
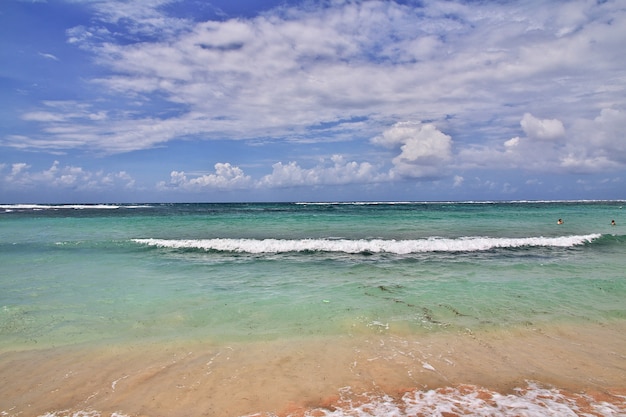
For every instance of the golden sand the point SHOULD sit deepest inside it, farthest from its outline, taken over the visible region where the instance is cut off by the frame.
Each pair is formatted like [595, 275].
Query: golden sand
[284, 376]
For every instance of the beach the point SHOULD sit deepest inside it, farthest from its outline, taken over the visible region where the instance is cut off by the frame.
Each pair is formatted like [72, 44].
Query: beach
[319, 376]
[356, 309]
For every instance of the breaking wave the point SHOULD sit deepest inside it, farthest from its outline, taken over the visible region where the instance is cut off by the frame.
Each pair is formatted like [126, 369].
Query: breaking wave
[464, 400]
[432, 244]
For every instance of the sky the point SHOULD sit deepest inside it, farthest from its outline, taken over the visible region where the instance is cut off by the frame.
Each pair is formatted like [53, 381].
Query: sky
[297, 100]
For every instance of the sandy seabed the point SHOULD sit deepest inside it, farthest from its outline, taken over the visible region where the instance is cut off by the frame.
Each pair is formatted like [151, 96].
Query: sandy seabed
[321, 376]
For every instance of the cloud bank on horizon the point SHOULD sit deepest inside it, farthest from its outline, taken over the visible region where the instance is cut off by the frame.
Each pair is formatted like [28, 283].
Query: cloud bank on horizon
[337, 100]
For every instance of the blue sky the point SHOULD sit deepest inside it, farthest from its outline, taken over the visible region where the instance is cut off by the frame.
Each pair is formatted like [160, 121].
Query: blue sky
[192, 100]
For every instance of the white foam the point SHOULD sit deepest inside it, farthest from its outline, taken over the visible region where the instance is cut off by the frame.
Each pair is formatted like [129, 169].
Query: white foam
[533, 401]
[57, 206]
[464, 400]
[81, 413]
[486, 202]
[433, 244]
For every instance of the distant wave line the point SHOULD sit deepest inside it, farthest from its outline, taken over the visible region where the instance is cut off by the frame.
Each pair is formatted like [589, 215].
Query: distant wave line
[69, 206]
[477, 202]
[35, 207]
[433, 244]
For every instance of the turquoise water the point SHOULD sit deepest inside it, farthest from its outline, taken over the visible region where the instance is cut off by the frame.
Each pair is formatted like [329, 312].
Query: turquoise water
[222, 272]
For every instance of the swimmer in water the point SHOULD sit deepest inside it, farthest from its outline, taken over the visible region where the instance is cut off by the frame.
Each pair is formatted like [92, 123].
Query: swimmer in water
[560, 221]
[612, 222]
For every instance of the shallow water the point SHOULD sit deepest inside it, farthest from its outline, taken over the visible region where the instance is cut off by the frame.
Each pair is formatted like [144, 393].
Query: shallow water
[84, 278]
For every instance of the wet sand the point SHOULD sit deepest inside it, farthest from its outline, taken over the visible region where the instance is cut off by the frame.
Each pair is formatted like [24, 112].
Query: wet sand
[287, 376]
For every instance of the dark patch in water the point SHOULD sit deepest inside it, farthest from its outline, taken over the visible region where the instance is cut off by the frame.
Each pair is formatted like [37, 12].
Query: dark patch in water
[454, 310]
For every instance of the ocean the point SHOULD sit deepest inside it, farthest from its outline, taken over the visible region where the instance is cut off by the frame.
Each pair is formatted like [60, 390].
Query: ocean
[313, 309]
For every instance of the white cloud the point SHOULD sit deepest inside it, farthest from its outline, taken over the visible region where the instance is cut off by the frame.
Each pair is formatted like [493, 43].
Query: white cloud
[423, 148]
[64, 112]
[339, 171]
[596, 145]
[533, 182]
[288, 69]
[507, 188]
[300, 73]
[512, 143]
[336, 171]
[21, 177]
[134, 20]
[587, 164]
[72, 125]
[48, 56]
[17, 168]
[546, 129]
[226, 177]
[589, 146]
[44, 116]
[602, 135]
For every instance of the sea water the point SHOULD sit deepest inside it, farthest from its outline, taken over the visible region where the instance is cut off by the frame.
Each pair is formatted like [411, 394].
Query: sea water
[97, 275]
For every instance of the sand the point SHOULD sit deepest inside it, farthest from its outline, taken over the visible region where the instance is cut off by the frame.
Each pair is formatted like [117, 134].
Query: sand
[198, 378]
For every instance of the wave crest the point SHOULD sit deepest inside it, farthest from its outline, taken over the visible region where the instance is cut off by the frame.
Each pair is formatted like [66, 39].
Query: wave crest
[401, 247]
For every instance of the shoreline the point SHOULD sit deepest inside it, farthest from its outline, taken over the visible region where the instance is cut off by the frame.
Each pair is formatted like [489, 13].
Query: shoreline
[192, 378]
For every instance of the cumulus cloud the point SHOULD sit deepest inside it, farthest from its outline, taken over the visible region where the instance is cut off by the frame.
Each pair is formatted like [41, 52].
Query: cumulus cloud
[225, 177]
[423, 148]
[339, 171]
[596, 145]
[21, 176]
[546, 129]
[335, 171]
[603, 134]
[589, 146]
[17, 168]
